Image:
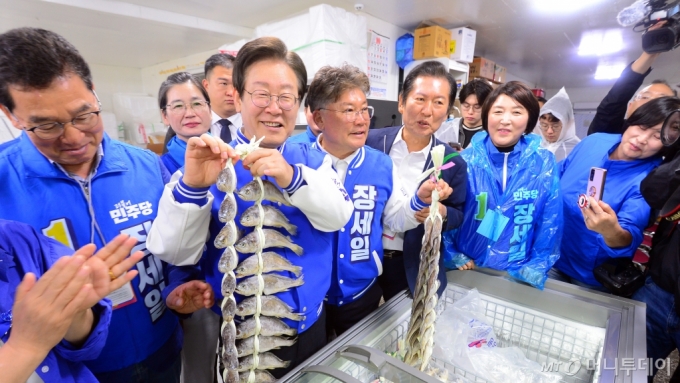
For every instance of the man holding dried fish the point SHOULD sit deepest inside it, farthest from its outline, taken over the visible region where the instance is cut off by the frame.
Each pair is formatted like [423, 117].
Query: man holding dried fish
[337, 97]
[303, 204]
[428, 93]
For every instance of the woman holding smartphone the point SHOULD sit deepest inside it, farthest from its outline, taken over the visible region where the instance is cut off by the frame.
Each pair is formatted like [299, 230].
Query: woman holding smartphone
[513, 211]
[609, 226]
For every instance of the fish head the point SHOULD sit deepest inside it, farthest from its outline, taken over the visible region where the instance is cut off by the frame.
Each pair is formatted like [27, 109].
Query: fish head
[248, 218]
[247, 192]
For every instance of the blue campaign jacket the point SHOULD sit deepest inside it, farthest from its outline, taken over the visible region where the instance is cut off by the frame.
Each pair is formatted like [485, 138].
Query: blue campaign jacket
[316, 262]
[128, 180]
[307, 137]
[23, 250]
[456, 177]
[174, 158]
[357, 248]
[519, 229]
[579, 257]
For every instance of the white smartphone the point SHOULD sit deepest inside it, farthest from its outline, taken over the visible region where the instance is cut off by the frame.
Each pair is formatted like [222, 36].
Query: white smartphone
[596, 180]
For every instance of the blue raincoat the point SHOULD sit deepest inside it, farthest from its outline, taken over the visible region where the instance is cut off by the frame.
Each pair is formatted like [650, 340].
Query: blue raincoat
[513, 210]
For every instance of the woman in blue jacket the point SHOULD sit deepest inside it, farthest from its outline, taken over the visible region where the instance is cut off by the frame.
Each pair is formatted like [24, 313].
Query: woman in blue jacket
[185, 108]
[513, 213]
[611, 228]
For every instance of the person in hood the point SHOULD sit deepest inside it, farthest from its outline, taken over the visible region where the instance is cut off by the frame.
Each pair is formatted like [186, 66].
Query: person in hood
[513, 210]
[557, 126]
[612, 227]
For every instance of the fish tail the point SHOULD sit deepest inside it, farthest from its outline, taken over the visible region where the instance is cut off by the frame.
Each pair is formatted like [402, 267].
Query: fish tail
[297, 270]
[296, 249]
[292, 229]
[294, 316]
[285, 364]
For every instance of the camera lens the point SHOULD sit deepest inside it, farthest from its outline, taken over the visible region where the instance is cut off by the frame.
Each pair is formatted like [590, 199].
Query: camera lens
[592, 174]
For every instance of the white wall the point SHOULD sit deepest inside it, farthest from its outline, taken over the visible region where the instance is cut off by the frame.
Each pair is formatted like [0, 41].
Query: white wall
[583, 98]
[113, 79]
[153, 76]
[511, 77]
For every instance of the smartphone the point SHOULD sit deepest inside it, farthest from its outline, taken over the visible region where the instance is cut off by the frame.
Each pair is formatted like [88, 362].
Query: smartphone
[596, 180]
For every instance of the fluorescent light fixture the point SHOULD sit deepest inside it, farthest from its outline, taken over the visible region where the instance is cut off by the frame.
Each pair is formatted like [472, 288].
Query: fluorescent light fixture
[600, 42]
[561, 6]
[609, 71]
[159, 15]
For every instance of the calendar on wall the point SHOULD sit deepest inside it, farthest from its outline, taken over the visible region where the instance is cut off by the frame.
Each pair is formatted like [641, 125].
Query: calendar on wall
[378, 64]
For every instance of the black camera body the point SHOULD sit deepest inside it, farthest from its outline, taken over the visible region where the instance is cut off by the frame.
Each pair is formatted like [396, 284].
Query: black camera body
[667, 37]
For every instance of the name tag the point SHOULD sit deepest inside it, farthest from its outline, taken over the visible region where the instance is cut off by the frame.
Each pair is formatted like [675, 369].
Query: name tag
[122, 297]
[493, 224]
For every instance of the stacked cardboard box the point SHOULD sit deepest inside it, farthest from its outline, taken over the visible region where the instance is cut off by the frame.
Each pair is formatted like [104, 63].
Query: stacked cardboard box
[431, 41]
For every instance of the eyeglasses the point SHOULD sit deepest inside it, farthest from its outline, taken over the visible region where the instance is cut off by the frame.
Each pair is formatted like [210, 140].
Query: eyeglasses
[262, 99]
[179, 108]
[554, 127]
[467, 106]
[351, 115]
[50, 130]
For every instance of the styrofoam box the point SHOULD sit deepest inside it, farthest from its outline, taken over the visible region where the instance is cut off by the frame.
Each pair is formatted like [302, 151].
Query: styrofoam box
[463, 44]
[322, 36]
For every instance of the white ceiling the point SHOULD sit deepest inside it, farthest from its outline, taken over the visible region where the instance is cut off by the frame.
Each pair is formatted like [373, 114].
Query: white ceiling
[539, 47]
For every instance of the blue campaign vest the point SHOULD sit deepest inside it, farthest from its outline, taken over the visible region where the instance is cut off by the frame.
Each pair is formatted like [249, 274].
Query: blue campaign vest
[125, 192]
[357, 248]
[316, 260]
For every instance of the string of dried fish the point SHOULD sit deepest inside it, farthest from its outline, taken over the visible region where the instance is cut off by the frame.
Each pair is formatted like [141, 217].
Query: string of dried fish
[263, 332]
[420, 335]
[226, 182]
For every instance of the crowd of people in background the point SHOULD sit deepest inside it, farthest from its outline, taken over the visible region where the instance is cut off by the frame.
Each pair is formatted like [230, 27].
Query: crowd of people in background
[115, 276]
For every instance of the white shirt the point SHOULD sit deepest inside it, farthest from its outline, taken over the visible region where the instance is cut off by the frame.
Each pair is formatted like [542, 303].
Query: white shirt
[398, 214]
[216, 127]
[409, 167]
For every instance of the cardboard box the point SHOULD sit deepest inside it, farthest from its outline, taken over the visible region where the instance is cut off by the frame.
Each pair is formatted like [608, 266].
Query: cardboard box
[431, 42]
[500, 74]
[483, 68]
[462, 46]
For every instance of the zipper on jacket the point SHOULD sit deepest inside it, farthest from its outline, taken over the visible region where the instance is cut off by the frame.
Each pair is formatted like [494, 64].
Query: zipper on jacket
[505, 170]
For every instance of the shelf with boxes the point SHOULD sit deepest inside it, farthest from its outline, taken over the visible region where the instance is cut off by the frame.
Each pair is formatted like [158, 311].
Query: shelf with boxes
[452, 47]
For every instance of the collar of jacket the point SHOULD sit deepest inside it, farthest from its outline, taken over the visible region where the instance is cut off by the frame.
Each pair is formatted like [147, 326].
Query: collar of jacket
[36, 165]
[356, 161]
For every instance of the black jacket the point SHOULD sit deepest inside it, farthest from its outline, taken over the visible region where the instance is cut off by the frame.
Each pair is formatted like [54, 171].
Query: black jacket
[664, 258]
[612, 110]
[456, 177]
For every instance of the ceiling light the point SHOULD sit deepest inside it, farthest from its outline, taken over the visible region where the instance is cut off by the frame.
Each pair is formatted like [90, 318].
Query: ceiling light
[560, 6]
[600, 42]
[609, 71]
[158, 15]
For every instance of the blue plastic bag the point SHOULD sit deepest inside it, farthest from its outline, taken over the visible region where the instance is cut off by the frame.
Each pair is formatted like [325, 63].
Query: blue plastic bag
[404, 50]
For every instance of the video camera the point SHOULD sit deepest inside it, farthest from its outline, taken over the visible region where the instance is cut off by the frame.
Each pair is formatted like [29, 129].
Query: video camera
[645, 13]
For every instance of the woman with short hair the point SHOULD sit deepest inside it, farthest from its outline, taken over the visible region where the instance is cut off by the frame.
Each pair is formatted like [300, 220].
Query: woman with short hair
[513, 210]
[612, 227]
